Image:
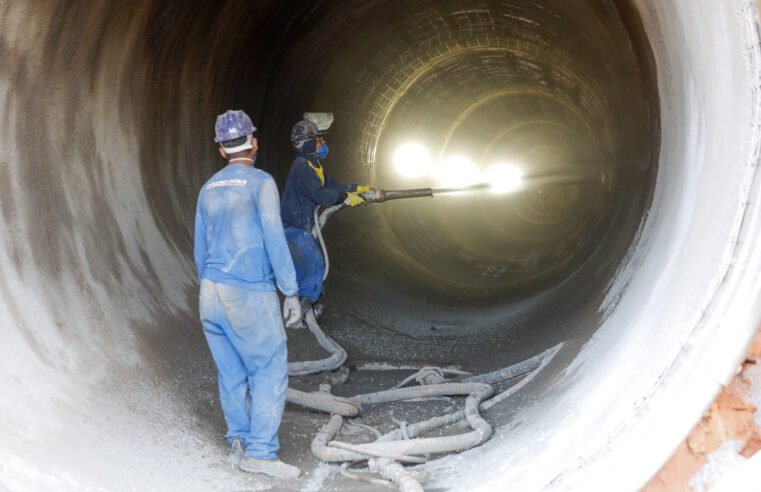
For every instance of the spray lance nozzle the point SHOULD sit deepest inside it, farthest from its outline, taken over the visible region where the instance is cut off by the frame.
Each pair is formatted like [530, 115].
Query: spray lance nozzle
[321, 215]
[380, 196]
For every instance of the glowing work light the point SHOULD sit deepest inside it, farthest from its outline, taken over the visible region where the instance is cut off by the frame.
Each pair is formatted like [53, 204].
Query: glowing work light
[456, 171]
[503, 178]
[412, 160]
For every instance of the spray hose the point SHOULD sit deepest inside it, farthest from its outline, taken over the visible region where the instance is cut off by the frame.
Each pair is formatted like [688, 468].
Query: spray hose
[322, 214]
[402, 446]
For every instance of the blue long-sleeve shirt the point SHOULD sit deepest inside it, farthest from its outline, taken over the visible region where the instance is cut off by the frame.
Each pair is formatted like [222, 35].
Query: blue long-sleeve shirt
[239, 237]
[307, 187]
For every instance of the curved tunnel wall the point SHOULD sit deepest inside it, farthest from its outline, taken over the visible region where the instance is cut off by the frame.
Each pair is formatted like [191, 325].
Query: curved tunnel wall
[457, 77]
[105, 126]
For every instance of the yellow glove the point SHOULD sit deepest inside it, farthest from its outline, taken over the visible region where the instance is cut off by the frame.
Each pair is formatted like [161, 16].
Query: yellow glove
[353, 199]
[364, 188]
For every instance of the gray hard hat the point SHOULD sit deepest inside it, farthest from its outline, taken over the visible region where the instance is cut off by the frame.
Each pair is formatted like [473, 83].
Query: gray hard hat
[312, 125]
[304, 130]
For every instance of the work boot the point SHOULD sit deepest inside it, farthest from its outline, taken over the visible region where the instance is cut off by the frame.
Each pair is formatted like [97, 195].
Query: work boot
[273, 468]
[236, 452]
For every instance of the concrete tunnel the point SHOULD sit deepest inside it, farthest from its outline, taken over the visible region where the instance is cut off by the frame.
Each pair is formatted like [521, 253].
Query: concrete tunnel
[634, 242]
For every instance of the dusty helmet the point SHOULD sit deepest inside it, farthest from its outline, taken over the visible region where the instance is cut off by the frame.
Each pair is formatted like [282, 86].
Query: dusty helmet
[304, 130]
[232, 125]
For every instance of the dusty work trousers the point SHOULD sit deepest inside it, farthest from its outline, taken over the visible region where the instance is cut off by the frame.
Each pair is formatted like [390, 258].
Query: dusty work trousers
[308, 261]
[247, 340]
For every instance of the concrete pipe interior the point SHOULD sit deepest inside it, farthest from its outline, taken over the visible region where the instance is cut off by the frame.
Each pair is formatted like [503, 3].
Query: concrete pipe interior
[637, 124]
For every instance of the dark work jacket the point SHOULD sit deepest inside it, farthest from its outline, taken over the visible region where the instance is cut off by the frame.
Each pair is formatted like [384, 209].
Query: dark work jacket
[306, 188]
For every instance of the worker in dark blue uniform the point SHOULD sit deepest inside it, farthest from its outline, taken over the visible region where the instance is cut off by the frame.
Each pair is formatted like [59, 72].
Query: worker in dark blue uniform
[242, 258]
[307, 187]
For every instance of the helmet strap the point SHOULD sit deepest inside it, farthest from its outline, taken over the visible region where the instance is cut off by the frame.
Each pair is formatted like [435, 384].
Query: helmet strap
[244, 146]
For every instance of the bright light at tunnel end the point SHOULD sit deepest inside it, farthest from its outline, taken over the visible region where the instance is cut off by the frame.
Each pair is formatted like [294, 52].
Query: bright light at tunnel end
[412, 160]
[503, 178]
[456, 171]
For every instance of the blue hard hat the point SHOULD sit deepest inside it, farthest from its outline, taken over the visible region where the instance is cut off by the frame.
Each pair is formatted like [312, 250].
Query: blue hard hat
[233, 124]
[304, 130]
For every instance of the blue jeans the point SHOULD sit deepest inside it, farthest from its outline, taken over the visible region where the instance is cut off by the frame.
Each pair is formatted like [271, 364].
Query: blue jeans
[247, 340]
[308, 261]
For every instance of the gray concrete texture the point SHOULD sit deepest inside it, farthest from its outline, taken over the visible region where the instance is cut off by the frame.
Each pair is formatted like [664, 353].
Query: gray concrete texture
[644, 262]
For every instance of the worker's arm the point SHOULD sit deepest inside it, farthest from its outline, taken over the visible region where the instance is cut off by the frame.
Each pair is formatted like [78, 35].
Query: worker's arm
[199, 243]
[342, 188]
[268, 207]
[321, 195]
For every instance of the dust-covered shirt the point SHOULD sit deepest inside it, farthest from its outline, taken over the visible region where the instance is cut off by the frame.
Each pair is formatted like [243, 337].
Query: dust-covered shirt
[307, 187]
[239, 238]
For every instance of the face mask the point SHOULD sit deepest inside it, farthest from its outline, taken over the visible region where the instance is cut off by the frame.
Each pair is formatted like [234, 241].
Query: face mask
[323, 151]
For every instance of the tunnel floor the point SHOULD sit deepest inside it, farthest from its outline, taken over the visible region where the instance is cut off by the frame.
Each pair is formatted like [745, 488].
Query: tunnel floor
[371, 369]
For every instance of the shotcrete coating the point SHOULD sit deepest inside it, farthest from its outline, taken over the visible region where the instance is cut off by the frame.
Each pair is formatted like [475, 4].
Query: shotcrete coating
[647, 272]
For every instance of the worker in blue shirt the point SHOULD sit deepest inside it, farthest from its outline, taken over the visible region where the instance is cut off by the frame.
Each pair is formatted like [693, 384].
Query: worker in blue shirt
[242, 258]
[308, 187]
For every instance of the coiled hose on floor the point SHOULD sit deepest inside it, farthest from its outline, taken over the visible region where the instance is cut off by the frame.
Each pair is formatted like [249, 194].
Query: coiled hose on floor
[386, 455]
[335, 360]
